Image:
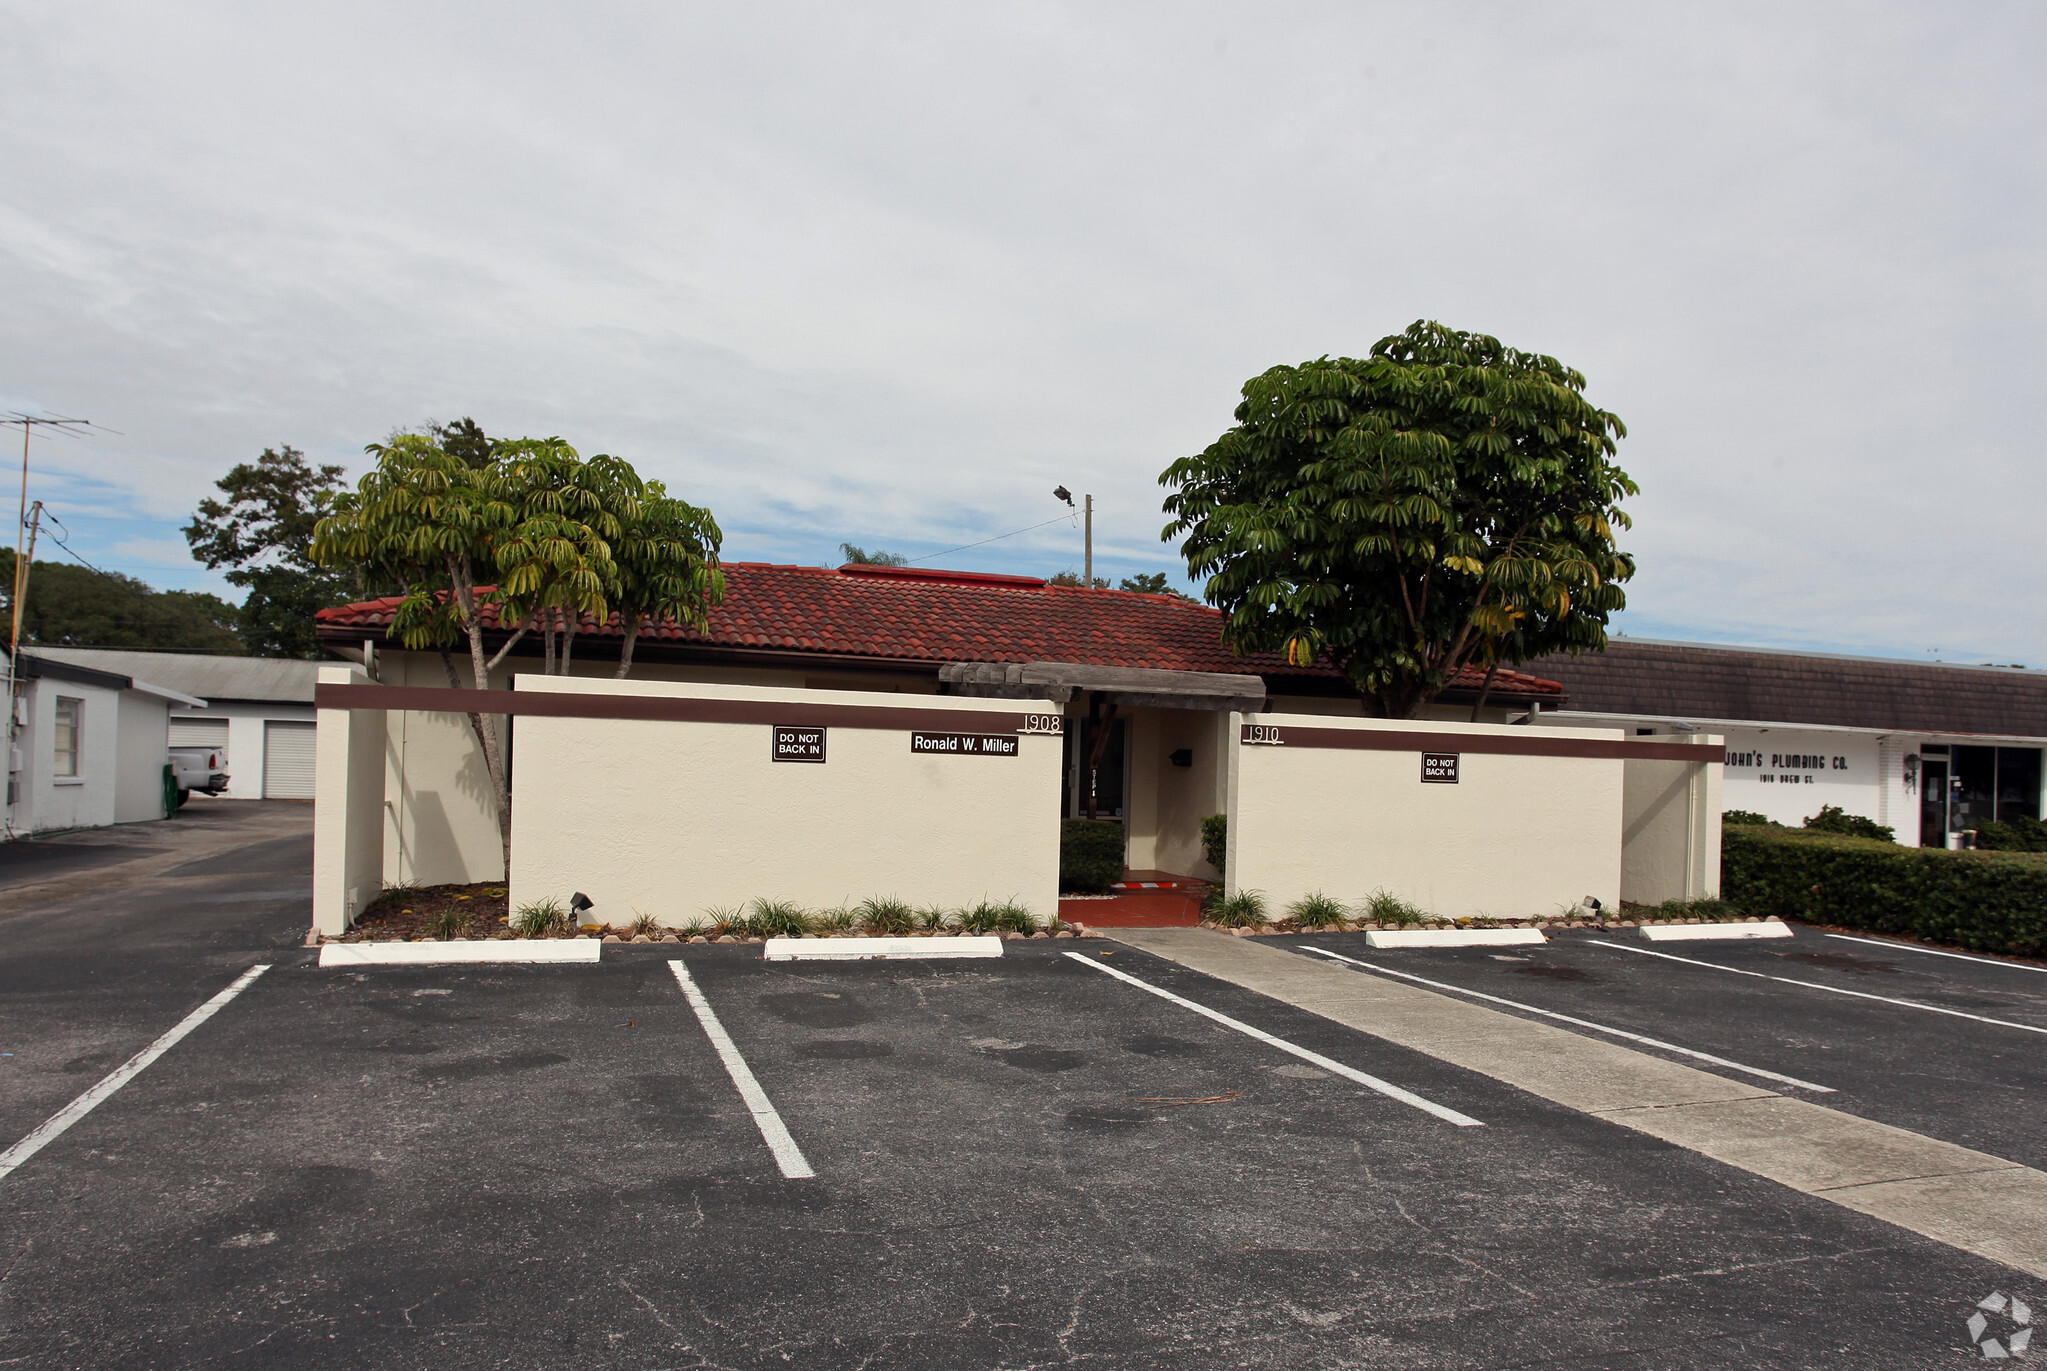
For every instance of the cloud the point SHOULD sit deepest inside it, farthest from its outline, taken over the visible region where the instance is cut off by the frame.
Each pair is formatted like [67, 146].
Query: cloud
[888, 274]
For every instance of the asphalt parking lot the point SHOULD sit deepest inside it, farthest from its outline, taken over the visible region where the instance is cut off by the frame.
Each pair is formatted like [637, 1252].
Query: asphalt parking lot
[1955, 1047]
[1017, 1163]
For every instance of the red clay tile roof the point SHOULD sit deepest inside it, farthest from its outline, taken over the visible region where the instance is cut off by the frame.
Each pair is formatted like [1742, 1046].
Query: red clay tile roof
[914, 615]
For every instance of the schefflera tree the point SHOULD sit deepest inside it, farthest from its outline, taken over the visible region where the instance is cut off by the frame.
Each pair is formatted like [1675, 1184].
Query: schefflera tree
[528, 537]
[1444, 502]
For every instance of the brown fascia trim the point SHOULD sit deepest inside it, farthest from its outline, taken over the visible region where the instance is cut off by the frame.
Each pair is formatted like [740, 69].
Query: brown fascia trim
[1534, 742]
[796, 659]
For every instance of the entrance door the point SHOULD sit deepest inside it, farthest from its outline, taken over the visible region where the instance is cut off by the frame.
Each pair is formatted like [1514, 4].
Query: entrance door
[1107, 780]
[1933, 801]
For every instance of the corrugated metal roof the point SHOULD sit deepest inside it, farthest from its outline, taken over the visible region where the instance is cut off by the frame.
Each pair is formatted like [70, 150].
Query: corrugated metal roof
[208, 675]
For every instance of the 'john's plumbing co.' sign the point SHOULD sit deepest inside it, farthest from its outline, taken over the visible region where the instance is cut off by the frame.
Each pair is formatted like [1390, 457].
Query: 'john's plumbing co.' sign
[1786, 768]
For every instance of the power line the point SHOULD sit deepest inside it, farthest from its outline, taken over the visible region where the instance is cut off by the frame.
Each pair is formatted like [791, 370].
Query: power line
[1064, 518]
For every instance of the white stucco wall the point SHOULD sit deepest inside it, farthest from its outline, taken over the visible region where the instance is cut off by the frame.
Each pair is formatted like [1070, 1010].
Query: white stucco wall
[1670, 826]
[138, 783]
[348, 819]
[1515, 837]
[671, 819]
[86, 801]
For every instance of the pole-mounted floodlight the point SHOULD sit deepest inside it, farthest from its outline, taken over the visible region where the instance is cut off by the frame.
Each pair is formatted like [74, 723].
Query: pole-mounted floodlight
[1062, 493]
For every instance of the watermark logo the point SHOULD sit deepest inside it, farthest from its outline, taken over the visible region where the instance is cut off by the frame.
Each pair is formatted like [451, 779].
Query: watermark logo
[2001, 1327]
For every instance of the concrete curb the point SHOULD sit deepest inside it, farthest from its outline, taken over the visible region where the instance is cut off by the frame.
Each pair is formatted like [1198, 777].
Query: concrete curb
[432, 953]
[1680, 933]
[872, 949]
[1452, 937]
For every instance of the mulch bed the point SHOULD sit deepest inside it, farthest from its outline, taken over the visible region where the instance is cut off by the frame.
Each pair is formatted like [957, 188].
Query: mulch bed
[411, 913]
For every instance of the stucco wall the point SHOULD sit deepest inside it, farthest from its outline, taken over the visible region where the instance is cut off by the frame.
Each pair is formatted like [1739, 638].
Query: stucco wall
[671, 819]
[1515, 837]
[1670, 827]
[138, 782]
[1167, 802]
[86, 801]
[348, 818]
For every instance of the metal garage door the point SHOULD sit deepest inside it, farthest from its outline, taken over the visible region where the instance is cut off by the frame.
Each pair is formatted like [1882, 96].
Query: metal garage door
[187, 731]
[287, 760]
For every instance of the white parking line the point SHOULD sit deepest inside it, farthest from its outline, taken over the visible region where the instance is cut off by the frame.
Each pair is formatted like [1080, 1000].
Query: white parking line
[1582, 1023]
[1370, 1082]
[1934, 952]
[1815, 985]
[54, 1126]
[774, 1132]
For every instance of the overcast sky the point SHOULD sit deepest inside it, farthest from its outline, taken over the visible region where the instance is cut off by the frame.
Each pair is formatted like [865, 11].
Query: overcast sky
[889, 273]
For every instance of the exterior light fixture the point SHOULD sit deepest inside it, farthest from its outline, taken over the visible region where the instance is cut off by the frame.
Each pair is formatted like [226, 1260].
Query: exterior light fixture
[1062, 493]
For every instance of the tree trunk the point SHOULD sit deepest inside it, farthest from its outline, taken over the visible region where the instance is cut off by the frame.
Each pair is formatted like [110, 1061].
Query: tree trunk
[631, 624]
[1484, 690]
[570, 618]
[493, 756]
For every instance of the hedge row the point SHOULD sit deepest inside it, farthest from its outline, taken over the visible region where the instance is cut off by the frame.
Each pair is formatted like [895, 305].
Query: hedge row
[1989, 901]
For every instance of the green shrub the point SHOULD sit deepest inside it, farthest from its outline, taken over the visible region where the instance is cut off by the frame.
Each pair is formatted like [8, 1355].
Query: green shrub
[541, 918]
[1833, 819]
[1713, 911]
[777, 919]
[1316, 910]
[2012, 835]
[1245, 909]
[1090, 855]
[645, 924]
[886, 918]
[840, 920]
[1383, 906]
[720, 922]
[1215, 839]
[1989, 901]
[1747, 817]
[934, 918]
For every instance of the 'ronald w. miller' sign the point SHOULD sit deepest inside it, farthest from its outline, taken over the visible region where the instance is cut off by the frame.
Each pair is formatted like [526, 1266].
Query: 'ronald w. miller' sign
[965, 744]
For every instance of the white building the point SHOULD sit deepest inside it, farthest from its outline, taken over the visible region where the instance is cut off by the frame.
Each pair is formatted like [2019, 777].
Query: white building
[1928, 749]
[88, 747]
[256, 710]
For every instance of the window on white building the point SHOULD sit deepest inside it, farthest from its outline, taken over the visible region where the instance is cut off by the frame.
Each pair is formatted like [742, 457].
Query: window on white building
[64, 737]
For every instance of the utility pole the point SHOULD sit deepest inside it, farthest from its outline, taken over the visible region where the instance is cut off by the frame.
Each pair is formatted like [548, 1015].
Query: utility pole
[24, 550]
[1088, 565]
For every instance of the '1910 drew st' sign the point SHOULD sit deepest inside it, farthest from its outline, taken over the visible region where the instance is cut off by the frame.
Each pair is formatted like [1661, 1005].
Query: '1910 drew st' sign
[965, 744]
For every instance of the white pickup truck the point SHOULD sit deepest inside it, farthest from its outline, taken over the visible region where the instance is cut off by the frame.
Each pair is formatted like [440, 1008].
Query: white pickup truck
[197, 768]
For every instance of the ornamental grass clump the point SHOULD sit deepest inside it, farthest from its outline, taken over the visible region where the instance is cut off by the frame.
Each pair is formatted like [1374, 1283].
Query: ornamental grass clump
[1384, 907]
[1006, 916]
[1706, 911]
[1245, 909]
[722, 922]
[541, 919]
[645, 925]
[934, 918]
[1316, 910]
[886, 918]
[448, 925]
[840, 920]
[777, 919]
